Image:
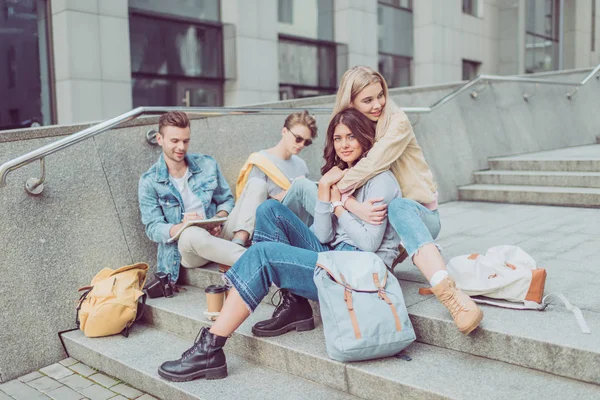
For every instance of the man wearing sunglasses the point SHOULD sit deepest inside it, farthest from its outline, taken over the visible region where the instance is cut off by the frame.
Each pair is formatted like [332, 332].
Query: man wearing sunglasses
[279, 170]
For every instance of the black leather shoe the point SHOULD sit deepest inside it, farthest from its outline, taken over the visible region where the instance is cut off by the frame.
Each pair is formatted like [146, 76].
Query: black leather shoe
[205, 358]
[292, 312]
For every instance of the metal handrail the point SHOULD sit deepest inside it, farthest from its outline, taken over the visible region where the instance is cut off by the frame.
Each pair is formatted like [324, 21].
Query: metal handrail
[35, 186]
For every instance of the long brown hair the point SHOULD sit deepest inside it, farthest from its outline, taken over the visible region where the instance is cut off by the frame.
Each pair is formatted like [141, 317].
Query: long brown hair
[361, 127]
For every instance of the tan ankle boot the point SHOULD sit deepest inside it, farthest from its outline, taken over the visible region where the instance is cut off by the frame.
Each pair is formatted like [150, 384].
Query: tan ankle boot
[467, 315]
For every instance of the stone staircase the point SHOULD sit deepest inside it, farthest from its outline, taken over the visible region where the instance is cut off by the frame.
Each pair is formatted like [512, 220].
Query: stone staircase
[565, 177]
[522, 359]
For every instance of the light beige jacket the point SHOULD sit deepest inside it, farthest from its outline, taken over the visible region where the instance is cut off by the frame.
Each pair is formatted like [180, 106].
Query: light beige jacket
[396, 149]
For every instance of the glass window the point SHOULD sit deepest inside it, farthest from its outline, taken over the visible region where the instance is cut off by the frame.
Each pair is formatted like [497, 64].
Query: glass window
[593, 25]
[395, 31]
[311, 19]
[24, 69]
[166, 47]
[470, 7]
[207, 10]
[175, 62]
[395, 39]
[285, 11]
[396, 70]
[307, 65]
[406, 4]
[541, 39]
[470, 69]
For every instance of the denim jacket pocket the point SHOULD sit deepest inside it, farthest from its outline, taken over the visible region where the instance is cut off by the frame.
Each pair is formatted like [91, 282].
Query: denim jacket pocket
[209, 185]
[171, 209]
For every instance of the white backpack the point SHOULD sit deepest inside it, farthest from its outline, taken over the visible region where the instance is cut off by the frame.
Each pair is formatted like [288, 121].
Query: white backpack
[506, 273]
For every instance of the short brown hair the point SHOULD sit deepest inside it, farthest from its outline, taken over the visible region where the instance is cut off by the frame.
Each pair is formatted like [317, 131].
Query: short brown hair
[173, 118]
[302, 118]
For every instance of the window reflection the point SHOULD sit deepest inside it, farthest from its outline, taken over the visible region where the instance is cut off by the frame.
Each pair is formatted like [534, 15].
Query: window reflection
[307, 53]
[395, 38]
[541, 41]
[206, 10]
[24, 82]
[307, 65]
[175, 62]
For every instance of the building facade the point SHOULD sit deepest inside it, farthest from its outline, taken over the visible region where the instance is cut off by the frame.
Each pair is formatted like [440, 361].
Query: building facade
[68, 61]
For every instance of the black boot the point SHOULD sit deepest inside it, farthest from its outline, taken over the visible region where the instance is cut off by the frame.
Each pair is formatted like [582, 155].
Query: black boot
[293, 312]
[205, 358]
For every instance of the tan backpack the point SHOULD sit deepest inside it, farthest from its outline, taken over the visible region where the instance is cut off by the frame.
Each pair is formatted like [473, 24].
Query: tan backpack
[110, 304]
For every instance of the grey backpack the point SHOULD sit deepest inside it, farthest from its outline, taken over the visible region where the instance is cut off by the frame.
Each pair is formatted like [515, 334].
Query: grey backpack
[362, 307]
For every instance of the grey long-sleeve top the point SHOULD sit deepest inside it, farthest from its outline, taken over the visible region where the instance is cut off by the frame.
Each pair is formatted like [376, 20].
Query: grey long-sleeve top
[380, 239]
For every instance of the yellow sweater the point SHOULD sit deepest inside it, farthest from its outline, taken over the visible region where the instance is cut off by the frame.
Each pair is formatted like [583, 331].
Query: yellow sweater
[396, 149]
[265, 165]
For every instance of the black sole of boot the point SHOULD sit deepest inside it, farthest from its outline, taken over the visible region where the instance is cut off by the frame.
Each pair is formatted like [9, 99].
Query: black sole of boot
[209, 374]
[299, 326]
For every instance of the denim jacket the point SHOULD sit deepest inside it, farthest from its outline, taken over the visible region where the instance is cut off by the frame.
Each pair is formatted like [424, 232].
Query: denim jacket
[161, 205]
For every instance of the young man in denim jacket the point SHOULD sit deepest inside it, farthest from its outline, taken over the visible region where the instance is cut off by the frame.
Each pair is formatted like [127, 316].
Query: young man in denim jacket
[181, 187]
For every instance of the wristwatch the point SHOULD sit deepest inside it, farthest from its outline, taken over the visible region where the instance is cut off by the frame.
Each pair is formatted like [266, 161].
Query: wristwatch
[334, 204]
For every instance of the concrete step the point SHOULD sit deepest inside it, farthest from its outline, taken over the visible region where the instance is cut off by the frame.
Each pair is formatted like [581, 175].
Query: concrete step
[558, 196]
[433, 373]
[518, 164]
[579, 158]
[136, 359]
[209, 275]
[538, 178]
[549, 341]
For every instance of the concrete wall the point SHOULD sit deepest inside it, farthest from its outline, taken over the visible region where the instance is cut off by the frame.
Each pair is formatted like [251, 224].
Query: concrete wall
[444, 36]
[87, 217]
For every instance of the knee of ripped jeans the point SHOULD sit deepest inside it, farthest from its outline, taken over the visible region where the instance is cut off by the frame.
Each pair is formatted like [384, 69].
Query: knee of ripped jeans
[416, 252]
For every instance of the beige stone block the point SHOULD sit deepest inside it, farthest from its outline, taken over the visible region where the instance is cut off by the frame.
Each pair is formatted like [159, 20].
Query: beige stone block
[114, 49]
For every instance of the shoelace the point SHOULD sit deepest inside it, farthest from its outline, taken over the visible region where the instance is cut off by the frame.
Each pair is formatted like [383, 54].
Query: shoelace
[279, 303]
[192, 349]
[454, 305]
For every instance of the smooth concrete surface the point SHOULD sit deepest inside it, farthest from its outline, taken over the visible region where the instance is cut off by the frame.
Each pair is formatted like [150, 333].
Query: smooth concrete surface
[538, 178]
[451, 374]
[573, 159]
[548, 341]
[88, 218]
[246, 379]
[561, 196]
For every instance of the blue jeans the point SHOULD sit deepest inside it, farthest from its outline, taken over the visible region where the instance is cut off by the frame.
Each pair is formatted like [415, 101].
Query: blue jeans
[284, 253]
[301, 198]
[416, 224]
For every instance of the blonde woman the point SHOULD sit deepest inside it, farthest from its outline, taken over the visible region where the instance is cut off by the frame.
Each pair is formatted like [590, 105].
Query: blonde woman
[414, 216]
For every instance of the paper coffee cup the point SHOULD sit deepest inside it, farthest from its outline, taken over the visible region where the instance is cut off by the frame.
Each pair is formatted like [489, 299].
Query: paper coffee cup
[215, 296]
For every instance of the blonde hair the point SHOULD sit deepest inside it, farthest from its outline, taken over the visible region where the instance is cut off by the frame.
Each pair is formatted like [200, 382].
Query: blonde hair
[356, 79]
[302, 118]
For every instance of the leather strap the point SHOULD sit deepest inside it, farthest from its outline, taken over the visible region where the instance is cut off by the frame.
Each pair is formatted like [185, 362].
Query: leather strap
[384, 297]
[425, 291]
[348, 300]
[81, 300]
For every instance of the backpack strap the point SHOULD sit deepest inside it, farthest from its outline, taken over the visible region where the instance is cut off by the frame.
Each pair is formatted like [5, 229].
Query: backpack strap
[585, 328]
[125, 332]
[384, 297]
[531, 305]
[80, 302]
[348, 300]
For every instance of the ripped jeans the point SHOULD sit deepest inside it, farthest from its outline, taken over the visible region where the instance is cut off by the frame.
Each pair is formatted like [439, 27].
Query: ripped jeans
[416, 224]
[284, 252]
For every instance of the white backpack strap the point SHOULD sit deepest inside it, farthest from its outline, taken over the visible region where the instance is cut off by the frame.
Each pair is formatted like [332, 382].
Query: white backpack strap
[583, 325]
[528, 305]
